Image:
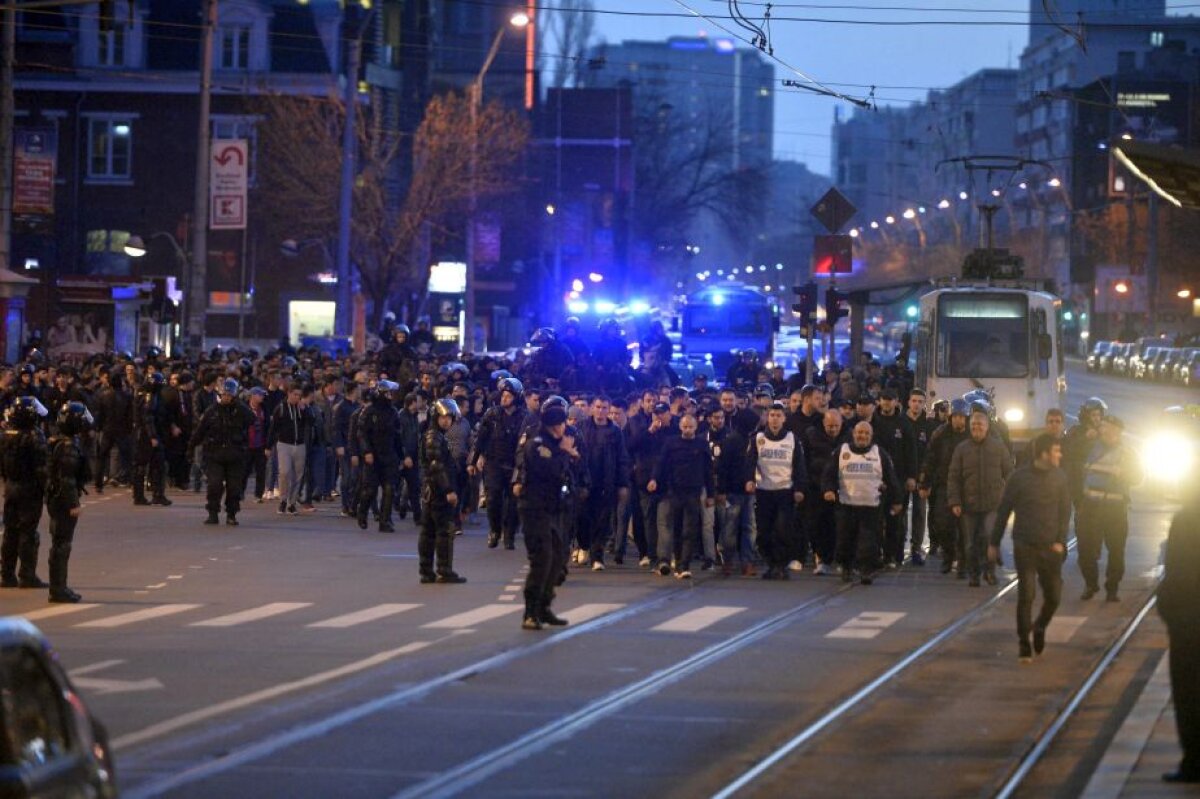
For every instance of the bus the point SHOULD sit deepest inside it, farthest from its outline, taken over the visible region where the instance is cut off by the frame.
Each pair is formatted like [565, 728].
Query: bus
[1004, 338]
[720, 321]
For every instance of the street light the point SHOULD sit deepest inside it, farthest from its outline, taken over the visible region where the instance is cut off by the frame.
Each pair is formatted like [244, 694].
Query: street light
[475, 101]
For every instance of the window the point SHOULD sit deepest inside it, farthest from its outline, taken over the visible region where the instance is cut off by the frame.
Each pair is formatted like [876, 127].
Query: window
[110, 148]
[1156, 38]
[233, 47]
[110, 51]
[982, 335]
[38, 725]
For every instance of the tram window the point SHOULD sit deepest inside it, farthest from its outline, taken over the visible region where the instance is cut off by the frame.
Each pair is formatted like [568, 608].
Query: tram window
[982, 335]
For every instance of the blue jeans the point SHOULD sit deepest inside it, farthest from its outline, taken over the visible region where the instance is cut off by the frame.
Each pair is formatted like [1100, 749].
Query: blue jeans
[973, 530]
[737, 528]
[315, 478]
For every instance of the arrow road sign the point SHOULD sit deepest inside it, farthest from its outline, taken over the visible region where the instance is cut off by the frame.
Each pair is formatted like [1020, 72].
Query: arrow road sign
[227, 184]
[102, 686]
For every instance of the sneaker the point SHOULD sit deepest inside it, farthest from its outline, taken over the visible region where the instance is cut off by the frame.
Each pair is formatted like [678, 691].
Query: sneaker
[822, 570]
[1039, 640]
[308, 508]
[795, 566]
[683, 575]
[1025, 652]
[258, 500]
[598, 566]
[231, 520]
[644, 562]
[664, 569]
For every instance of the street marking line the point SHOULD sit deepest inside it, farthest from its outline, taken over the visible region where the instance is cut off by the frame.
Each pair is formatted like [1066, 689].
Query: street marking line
[57, 610]
[592, 610]
[157, 585]
[1063, 628]
[866, 626]
[133, 617]
[187, 719]
[508, 588]
[507, 598]
[254, 614]
[93, 667]
[470, 618]
[364, 616]
[1116, 766]
[696, 620]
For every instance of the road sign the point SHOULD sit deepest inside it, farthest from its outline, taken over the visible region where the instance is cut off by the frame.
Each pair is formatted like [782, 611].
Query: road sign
[229, 172]
[33, 171]
[833, 255]
[833, 210]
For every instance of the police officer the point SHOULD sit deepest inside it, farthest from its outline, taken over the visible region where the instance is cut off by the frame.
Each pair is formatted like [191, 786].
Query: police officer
[69, 474]
[223, 431]
[1110, 470]
[934, 480]
[23, 467]
[377, 447]
[494, 454]
[150, 423]
[439, 497]
[1077, 444]
[540, 483]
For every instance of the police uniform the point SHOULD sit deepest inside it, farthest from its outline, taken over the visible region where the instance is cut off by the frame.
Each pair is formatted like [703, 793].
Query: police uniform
[437, 519]
[497, 441]
[23, 457]
[149, 436]
[69, 474]
[223, 431]
[544, 474]
[377, 437]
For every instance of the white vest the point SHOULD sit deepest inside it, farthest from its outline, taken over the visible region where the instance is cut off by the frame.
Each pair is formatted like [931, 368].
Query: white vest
[860, 477]
[774, 470]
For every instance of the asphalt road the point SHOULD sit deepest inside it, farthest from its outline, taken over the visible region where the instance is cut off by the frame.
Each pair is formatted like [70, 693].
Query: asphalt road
[298, 656]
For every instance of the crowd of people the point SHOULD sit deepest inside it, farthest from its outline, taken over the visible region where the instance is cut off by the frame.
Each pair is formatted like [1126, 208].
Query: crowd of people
[766, 476]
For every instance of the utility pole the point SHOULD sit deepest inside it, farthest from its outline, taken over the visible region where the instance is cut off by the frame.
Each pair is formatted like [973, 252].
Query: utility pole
[197, 298]
[344, 315]
[7, 112]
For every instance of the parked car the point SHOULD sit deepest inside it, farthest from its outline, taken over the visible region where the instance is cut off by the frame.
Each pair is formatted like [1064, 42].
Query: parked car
[1099, 350]
[1189, 369]
[1139, 361]
[51, 744]
[1164, 370]
[1119, 363]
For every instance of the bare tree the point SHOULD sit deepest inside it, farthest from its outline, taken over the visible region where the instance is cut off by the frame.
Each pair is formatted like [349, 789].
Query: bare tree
[571, 25]
[300, 161]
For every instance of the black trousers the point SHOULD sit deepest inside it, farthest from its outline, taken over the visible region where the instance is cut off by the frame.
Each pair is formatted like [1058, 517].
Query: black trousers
[544, 547]
[22, 512]
[597, 522]
[1102, 523]
[943, 527]
[686, 522]
[895, 531]
[256, 464]
[62, 536]
[820, 519]
[1185, 692]
[411, 478]
[501, 504]
[774, 514]
[149, 462]
[436, 540]
[858, 529]
[1036, 566]
[373, 477]
[225, 473]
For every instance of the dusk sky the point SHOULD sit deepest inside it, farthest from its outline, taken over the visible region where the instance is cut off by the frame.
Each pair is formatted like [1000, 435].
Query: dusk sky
[853, 53]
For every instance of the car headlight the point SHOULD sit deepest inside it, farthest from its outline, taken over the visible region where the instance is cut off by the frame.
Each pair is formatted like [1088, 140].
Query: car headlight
[1168, 456]
[1014, 415]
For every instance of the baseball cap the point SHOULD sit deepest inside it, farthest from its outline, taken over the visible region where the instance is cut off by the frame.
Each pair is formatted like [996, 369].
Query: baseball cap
[662, 407]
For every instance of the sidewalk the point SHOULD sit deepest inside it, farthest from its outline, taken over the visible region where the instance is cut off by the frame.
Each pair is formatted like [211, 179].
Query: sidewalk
[1145, 748]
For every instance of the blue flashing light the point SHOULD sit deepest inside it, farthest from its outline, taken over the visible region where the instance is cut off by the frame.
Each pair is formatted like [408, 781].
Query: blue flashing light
[718, 299]
[639, 307]
[578, 306]
[723, 45]
[605, 306]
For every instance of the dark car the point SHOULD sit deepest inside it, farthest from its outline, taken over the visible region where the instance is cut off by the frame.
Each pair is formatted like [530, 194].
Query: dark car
[51, 744]
[1117, 360]
[1099, 350]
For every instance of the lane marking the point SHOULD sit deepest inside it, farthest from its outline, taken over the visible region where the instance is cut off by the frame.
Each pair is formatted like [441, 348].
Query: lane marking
[174, 576]
[364, 616]
[1063, 628]
[592, 610]
[866, 626]
[507, 598]
[157, 585]
[696, 620]
[508, 588]
[1116, 766]
[133, 617]
[470, 618]
[254, 614]
[56, 610]
[246, 700]
[92, 667]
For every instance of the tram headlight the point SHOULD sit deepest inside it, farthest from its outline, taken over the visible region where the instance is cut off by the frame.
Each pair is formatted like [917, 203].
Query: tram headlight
[1014, 416]
[1168, 456]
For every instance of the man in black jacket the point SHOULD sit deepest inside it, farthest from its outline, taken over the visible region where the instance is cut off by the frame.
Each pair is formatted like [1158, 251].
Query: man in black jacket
[112, 407]
[494, 454]
[894, 434]
[409, 430]
[684, 477]
[922, 427]
[1039, 496]
[1179, 606]
[151, 426]
[819, 518]
[223, 431]
[645, 447]
[377, 446]
[440, 499]
[608, 469]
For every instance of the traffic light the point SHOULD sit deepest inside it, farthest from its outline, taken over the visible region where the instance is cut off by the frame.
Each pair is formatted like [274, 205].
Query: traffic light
[805, 305]
[836, 306]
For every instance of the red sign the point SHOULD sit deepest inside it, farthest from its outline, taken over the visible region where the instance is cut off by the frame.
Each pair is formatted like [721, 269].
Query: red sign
[34, 155]
[833, 255]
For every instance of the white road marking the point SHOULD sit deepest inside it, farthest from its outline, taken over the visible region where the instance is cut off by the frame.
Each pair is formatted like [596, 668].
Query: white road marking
[103, 686]
[1063, 628]
[364, 616]
[187, 719]
[156, 586]
[508, 588]
[590, 611]
[174, 576]
[866, 626]
[254, 614]
[56, 610]
[507, 598]
[696, 620]
[471, 617]
[93, 667]
[135, 616]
